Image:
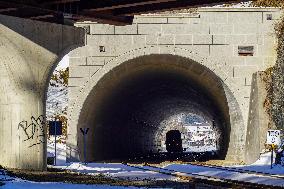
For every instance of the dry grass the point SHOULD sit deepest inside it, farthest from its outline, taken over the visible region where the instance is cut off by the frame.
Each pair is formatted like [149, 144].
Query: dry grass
[268, 3]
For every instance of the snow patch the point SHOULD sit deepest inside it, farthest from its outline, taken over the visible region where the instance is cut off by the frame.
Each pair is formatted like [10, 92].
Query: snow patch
[60, 150]
[116, 170]
[263, 164]
[21, 184]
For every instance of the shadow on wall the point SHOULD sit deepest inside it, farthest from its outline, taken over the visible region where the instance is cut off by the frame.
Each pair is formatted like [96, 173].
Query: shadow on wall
[49, 36]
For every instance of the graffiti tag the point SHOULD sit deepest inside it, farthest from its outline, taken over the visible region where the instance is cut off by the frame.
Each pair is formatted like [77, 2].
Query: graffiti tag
[35, 130]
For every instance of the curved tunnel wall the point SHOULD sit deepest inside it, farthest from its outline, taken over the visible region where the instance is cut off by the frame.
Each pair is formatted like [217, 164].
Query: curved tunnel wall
[127, 109]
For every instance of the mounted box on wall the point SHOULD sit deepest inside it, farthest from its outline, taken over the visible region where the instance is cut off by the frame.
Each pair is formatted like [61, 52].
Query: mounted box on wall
[246, 50]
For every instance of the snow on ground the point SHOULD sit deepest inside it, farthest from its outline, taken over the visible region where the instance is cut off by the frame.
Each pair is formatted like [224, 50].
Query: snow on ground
[49, 185]
[224, 174]
[117, 170]
[208, 148]
[3, 176]
[134, 173]
[263, 164]
[57, 101]
[237, 5]
[60, 150]
[57, 97]
[21, 184]
[16, 183]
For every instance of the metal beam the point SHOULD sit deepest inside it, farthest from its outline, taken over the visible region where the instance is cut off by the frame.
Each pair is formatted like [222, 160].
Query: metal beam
[58, 2]
[104, 18]
[3, 10]
[118, 12]
[179, 4]
[110, 5]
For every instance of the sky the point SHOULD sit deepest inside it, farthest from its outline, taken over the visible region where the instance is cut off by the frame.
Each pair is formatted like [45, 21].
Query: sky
[64, 63]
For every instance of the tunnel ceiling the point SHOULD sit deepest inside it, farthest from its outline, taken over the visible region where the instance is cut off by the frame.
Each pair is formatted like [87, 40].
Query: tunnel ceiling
[132, 106]
[117, 12]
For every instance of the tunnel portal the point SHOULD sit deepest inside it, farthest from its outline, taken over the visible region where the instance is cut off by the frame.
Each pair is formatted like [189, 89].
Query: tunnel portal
[134, 106]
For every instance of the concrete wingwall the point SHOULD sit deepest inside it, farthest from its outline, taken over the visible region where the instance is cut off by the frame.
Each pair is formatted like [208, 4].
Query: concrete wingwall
[212, 37]
[258, 119]
[29, 52]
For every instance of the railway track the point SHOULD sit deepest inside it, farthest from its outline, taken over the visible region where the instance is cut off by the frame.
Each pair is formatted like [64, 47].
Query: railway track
[237, 169]
[238, 177]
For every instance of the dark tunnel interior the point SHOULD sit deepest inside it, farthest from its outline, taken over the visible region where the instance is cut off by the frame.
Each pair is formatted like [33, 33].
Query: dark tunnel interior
[132, 106]
[173, 141]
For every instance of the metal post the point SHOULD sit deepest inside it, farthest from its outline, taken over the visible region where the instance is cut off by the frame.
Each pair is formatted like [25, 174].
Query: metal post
[55, 125]
[84, 133]
[271, 165]
[271, 159]
[85, 154]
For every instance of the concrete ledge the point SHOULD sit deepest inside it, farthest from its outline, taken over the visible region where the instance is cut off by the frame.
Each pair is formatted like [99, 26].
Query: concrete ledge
[243, 9]
[101, 29]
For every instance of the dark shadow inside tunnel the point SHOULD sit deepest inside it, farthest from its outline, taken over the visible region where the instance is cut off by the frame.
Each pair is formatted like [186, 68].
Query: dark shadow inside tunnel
[173, 141]
[132, 108]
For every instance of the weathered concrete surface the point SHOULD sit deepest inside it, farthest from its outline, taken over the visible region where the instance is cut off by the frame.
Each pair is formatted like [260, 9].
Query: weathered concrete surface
[258, 119]
[29, 51]
[210, 38]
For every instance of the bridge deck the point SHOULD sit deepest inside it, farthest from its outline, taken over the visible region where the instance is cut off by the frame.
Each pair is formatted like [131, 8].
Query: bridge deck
[116, 12]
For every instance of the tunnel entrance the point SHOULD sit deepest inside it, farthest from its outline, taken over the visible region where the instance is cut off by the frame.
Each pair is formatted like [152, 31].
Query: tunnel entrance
[173, 141]
[139, 107]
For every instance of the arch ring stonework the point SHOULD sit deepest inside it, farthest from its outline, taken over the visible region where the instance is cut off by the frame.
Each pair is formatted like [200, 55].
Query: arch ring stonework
[214, 65]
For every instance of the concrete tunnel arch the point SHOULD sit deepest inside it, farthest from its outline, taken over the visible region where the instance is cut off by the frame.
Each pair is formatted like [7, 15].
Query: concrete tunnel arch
[102, 144]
